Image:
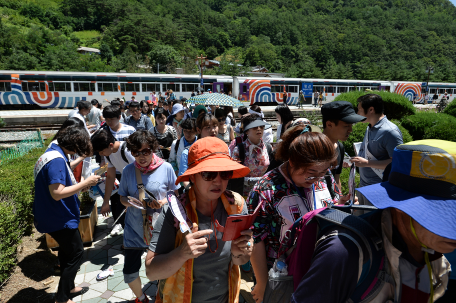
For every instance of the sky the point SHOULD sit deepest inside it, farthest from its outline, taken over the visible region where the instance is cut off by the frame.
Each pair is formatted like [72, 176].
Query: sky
[453, 1]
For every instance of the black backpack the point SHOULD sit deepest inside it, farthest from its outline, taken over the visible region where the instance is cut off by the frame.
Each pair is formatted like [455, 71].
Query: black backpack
[122, 154]
[237, 184]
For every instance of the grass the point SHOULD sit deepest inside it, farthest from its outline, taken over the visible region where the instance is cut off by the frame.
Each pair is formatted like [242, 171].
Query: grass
[89, 38]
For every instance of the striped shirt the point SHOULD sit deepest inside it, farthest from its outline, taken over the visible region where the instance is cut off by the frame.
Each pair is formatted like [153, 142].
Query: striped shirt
[123, 133]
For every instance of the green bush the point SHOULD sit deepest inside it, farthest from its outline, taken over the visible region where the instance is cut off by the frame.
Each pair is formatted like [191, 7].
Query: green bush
[451, 108]
[418, 124]
[359, 130]
[396, 106]
[2, 122]
[443, 131]
[344, 176]
[17, 190]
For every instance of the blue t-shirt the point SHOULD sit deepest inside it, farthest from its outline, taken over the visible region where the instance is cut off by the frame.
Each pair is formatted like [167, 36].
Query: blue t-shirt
[159, 183]
[383, 138]
[51, 215]
[183, 165]
[143, 122]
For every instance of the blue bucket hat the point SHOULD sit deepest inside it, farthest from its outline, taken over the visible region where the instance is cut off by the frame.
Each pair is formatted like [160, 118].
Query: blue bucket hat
[177, 108]
[422, 183]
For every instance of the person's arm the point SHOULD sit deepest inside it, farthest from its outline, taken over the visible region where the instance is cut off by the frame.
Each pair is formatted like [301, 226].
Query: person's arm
[59, 191]
[231, 134]
[76, 162]
[337, 179]
[361, 162]
[109, 184]
[163, 266]
[148, 123]
[260, 268]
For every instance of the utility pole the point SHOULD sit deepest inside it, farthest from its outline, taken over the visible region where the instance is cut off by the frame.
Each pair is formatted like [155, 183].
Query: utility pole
[158, 68]
[429, 70]
[200, 63]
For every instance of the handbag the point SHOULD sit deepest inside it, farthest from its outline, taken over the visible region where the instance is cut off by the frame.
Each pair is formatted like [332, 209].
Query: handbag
[141, 196]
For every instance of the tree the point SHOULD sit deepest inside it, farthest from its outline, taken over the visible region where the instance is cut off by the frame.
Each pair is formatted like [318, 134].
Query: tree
[165, 55]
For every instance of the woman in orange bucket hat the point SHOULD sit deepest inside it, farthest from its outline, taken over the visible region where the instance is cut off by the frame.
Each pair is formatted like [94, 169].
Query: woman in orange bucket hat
[189, 264]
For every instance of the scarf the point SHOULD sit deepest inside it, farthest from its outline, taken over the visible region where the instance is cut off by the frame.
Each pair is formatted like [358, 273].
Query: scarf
[258, 154]
[155, 163]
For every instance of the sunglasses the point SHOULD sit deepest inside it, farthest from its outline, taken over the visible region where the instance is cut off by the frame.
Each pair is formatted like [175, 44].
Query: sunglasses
[144, 152]
[211, 175]
[221, 120]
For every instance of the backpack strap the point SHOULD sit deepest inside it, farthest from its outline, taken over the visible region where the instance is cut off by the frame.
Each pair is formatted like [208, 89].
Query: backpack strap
[176, 147]
[122, 153]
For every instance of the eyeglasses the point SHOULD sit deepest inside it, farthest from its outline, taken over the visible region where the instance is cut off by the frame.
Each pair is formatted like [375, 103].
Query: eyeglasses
[144, 152]
[211, 175]
[314, 179]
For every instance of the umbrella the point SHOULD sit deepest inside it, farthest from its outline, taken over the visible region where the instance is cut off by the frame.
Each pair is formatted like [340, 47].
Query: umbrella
[215, 99]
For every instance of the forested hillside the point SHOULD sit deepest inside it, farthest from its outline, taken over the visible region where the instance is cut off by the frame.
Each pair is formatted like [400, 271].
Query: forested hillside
[354, 39]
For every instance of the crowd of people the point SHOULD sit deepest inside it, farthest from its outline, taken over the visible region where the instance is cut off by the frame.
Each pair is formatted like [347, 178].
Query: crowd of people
[394, 245]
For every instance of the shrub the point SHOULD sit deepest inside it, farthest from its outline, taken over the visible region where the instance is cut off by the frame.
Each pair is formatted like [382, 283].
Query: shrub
[451, 108]
[17, 190]
[2, 122]
[418, 124]
[359, 130]
[443, 131]
[396, 106]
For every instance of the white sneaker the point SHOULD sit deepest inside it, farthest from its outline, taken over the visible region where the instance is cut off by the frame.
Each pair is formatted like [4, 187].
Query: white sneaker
[116, 230]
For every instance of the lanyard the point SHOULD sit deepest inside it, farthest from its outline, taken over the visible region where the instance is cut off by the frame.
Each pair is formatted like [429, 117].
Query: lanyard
[305, 201]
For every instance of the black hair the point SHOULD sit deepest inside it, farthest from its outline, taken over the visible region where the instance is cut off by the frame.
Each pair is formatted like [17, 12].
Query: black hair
[134, 104]
[243, 110]
[160, 111]
[115, 102]
[219, 113]
[94, 102]
[149, 106]
[75, 139]
[101, 139]
[111, 111]
[371, 100]
[335, 121]
[256, 108]
[136, 140]
[84, 105]
[189, 123]
[73, 121]
[285, 115]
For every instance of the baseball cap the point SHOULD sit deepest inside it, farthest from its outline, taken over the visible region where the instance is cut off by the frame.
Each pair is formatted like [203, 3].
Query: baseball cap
[422, 183]
[340, 110]
[211, 154]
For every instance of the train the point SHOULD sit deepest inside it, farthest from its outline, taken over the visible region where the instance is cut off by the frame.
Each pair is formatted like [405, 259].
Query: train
[45, 89]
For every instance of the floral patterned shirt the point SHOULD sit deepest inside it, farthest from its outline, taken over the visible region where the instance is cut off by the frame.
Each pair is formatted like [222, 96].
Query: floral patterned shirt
[256, 158]
[282, 206]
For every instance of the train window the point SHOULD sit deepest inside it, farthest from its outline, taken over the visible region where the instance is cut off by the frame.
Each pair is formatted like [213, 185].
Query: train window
[342, 89]
[276, 88]
[129, 87]
[5, 86]
[174, 87]
[84, 87]
[244, 89]
[442, 90]
[189, 87]
[51, 86]
[107, 87]
[432, 90]
[62, 86]
[292, 88]
[30, 86]
[330, 89]
[150, 87]
[42, 87]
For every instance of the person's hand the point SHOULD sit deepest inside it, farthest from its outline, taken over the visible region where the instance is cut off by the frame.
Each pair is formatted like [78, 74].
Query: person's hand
[345, 165]
[360, 161]
[92, 180]
[355, 201]
[85, 189]
[195, 243]
[105, 210]
[258, 292]
[242, 245]
[343, 199]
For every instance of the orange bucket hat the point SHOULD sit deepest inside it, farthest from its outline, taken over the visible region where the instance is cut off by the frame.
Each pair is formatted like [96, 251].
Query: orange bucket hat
[211, 154]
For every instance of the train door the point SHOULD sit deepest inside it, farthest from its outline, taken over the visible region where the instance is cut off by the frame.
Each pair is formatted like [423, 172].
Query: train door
[218, 87]
[244, 89]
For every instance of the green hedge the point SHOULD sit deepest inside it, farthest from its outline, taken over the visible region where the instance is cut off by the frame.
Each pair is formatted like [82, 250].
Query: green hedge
[418, 124]
[451, 108]
[359, 130]
[443, 131]
[16, 200]
[396, 106]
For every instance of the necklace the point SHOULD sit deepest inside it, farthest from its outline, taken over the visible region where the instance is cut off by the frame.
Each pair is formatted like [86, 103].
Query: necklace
[215, 232]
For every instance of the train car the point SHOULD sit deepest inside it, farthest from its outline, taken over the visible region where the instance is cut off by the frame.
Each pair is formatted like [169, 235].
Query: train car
[273, 90]
[24, 89]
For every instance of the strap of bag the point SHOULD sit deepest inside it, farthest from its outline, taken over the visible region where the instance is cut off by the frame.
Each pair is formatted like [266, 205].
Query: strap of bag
[176, 147]
[141, 196]
[122, 153]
